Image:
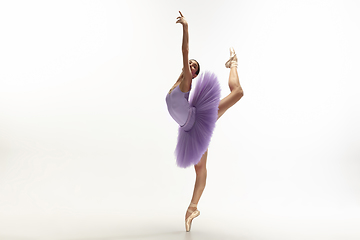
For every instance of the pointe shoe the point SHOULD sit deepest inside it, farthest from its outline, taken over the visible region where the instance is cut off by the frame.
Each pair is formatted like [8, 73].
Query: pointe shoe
[193, 215]
[232, 52]
[232, 62]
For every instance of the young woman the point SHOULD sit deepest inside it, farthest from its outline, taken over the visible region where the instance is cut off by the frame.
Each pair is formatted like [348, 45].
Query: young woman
[197, 118]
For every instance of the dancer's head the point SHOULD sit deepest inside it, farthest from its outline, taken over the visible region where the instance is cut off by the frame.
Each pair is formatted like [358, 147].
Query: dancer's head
[194, 67]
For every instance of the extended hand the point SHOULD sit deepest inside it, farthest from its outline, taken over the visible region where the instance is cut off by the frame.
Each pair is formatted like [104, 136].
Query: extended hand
[181, 19]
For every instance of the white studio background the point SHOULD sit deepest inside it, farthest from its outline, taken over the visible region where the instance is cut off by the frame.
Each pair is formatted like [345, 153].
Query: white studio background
[84, 129]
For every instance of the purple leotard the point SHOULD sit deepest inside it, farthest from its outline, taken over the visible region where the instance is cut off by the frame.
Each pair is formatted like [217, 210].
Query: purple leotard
[178, 105]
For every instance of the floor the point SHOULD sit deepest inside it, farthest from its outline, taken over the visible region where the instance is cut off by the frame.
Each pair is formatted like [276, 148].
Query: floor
[167, 226]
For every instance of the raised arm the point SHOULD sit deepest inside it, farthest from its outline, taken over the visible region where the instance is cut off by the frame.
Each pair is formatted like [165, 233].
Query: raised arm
[186, 84]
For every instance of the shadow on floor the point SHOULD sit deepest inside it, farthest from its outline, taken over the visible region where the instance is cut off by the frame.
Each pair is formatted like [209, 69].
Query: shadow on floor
[176, 235]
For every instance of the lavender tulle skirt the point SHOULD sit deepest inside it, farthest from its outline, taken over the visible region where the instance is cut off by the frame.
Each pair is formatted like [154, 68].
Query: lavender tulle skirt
[194, 137]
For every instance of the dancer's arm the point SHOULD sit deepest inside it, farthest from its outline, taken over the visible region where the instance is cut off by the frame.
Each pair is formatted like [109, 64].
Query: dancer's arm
[185, 52]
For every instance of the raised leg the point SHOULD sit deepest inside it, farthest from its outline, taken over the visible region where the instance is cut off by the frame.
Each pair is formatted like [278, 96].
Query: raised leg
[236, 92]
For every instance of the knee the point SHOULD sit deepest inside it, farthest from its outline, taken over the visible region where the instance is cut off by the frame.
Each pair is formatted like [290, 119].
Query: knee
[200, 168]
[239, 93]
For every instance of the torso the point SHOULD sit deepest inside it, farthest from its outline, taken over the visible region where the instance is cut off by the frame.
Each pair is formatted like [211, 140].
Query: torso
[178, 104]
[173, 87]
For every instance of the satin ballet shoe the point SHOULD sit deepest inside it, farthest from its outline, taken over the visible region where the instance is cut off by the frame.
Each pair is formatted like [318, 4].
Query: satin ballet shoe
[232, 62]
[193, 215]
[232, 52]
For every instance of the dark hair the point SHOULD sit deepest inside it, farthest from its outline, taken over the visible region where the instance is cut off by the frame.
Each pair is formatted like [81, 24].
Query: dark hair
[197, 72]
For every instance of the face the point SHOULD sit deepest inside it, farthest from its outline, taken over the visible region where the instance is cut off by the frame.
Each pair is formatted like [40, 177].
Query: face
[193, 68]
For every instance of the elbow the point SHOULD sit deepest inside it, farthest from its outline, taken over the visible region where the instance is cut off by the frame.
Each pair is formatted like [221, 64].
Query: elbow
[185, 50]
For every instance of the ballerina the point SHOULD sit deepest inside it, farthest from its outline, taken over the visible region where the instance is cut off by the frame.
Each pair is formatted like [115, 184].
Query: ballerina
[197, 117]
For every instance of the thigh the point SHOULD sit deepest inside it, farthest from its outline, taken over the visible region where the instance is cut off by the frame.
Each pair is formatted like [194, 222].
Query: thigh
[227, 102]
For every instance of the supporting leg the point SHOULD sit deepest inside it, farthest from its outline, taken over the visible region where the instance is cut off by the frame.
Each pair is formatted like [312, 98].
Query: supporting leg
[200, 181]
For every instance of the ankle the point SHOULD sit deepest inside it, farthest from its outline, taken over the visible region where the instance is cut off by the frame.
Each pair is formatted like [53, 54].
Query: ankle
[233, 65]
[192, 205]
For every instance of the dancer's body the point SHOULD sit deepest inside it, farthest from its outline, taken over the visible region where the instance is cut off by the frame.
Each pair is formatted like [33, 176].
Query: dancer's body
[201, 172]
[191, 70]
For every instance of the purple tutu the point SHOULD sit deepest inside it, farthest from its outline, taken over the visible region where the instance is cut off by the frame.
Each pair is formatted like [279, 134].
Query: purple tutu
[194, 137]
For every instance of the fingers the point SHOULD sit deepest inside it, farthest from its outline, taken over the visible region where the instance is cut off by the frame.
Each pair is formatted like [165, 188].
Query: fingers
[180, 19]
